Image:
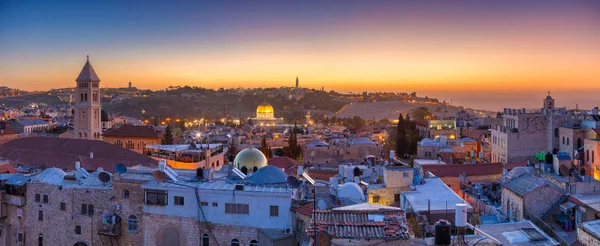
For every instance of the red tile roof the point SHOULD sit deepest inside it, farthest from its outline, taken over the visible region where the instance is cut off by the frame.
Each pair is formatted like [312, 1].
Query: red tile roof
[63, 153]
[283, 162]
[468, 169]
[510, 166]
[7, 168]
[132, 131]
[321, 174]
[358, 224]
[305, 209]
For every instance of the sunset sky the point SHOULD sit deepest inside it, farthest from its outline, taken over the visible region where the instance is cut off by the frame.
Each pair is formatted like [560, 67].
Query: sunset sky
[477, 53]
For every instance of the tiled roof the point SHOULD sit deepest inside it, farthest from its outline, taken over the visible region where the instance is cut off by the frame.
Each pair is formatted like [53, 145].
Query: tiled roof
[132, 131]
[524, 184]
[468, 169]
[361, 224]
[321, 174]
[63, 153]
[7, 168]
[283, 162]
[31, 122]
[8, 132]
[305, 209]
[510, 166]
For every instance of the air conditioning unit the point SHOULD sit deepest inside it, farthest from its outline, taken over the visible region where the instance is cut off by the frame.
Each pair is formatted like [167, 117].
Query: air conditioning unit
[287, 230]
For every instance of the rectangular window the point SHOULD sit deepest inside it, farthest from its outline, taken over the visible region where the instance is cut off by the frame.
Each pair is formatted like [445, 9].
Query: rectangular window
[83, 209]
[405, 174]
[91, 210]
[215, 204]
[156, 197]
[45, 198]
[63, 206]
[299, 225]
[274, 211]
[178, 200]
[203, 203]
[20, 237]
[396, 197]
[41, 215]
[376, 199]
[37, 197]
[78, 230]
[237, 208]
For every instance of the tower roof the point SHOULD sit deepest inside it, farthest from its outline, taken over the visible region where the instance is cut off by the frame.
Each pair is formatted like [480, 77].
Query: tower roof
[87, 74]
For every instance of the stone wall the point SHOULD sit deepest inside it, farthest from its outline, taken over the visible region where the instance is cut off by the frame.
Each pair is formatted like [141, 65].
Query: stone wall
[398, 177]
[586, 238]
[386, 195]
[512, 205]
[191, 232]
[129, 206]
[58, 226]
[538, 201]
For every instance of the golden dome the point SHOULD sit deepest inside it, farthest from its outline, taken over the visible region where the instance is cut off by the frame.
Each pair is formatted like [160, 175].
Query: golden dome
[264, 108]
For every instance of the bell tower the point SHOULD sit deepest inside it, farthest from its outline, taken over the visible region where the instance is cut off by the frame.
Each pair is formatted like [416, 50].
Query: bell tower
[87, 104]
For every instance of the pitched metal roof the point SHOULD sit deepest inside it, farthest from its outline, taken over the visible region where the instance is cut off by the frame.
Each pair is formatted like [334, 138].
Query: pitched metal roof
[524, 184]
[87, 74]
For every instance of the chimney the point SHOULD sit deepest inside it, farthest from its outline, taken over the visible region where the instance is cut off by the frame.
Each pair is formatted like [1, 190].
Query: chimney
[91, 155]
[77, 165]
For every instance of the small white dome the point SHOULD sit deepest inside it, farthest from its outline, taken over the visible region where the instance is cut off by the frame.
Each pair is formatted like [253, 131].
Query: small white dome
[352, 191]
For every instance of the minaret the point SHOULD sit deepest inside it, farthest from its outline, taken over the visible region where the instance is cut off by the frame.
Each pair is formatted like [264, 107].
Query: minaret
[87, 107]
[297, 82]
[549, 102]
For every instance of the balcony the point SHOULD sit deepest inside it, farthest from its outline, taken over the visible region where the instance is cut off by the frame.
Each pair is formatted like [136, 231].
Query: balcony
[110, 226]
[16, 200]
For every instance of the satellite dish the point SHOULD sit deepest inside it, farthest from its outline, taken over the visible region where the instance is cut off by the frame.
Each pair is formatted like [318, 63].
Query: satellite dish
[104, 177]
[100, 169]
[120, 168]
[564, 170]
[321, 204]
[159, 176]
[293, 182]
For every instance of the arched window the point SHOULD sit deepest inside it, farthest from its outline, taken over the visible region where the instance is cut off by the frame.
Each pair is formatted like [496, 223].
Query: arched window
[587, 155]
[235, 242]
[41, 240]
[253, 243]
[205, 240]
[567, 140]
[126, 194]
[593, 156]
[555, 132]
[563, 140]
[132, 223]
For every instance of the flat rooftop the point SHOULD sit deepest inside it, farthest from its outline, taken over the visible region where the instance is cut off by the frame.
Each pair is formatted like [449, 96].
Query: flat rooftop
[511, 234]
[435, 191]
[592, 227]
[428, 162]
[590, 199]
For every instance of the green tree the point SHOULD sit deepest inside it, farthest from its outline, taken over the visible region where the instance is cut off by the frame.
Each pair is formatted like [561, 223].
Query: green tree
[168, 136]
[177, 132]
[401, 143]
[265, 149]
[293, 150]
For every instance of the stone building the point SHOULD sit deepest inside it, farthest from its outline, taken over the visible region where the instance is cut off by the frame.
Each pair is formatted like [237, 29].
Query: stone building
[588, 233]
[13, 200]
[395, 180]
[132, 137]
[341, 150]
[87, 108]
[527, 194]
[67, 208]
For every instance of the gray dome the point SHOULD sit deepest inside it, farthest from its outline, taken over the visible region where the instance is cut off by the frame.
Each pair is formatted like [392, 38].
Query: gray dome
[104, 116]
[268, 175]
[250, 158]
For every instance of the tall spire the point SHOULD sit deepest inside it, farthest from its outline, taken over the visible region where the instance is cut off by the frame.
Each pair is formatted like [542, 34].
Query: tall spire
[87, 73]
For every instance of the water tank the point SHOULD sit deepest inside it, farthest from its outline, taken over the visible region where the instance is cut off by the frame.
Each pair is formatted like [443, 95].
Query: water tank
[461, 215]
[442, 233]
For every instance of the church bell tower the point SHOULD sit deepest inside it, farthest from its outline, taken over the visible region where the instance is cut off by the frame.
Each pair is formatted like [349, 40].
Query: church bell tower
[87, 107]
